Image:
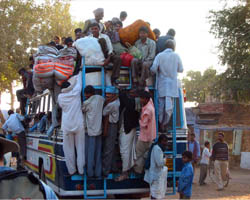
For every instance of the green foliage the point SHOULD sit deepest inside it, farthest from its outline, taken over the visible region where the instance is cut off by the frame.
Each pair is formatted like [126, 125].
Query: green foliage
[199, 86]
[23, 26]
[232, 27]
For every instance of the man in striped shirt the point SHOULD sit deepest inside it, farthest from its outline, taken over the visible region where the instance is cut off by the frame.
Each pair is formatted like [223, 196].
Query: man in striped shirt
[220, 157]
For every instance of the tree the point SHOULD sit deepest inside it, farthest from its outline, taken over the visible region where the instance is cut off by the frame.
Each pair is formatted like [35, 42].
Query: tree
[23, 26]
[232, 27]
[199, 87]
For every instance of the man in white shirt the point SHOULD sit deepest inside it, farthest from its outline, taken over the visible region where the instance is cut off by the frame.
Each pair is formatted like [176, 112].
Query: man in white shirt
[92, 109]
[14, 125]
[204, 163]
[107, 49]
[166, 67]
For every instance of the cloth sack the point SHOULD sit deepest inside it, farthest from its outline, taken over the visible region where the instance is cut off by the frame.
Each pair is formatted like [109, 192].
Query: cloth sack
[126, 59]
[134, 51]
[91, 50]
[41, 84]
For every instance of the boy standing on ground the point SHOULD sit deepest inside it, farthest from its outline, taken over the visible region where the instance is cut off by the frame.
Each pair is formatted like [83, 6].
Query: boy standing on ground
[204, 163]
[92, 109]
[187, 175]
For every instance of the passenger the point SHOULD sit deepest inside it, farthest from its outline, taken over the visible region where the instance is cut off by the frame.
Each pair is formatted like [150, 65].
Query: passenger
[129, 121]
[111, 118]
[72, 124]
[32, 62]
[63, 40]
[167, 65]
[123, 17]
[14, 125]
[27, 91]
[161, 42]
[78, 33]
[156, 174]
[157, 33]
[194, 147]
[113, 33]
[204, 163]
[92, 107]
[57, 40]
[45, 122]
[11, 146]
[187, 175]
[107, 49]
[147, 130]
[35, 124]
[99, 14]
[142, 67]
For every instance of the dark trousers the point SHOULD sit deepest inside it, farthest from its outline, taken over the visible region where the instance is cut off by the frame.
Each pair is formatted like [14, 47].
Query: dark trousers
[22, 99]
[203, 173]
[108, 148]
[21, 140]
[115, 59]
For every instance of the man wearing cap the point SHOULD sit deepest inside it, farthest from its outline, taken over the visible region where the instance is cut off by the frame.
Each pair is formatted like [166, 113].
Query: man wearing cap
[14, 125]
[11, 146]
[220, 157]
[111, 118]
[99, 14]
[166, 66]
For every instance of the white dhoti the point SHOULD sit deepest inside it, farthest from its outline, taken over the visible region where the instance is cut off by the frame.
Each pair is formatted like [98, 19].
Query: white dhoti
[166, 105]
[71, 142]
[158, 187]
[127, 144]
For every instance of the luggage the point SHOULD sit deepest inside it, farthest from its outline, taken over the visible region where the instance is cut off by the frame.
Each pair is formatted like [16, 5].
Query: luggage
[20, 185]
[134, 51]
[44, 70]
[126, 59]
[90, 48]
[63, 72]
[130, 33]
[119, 48]
[41, 84]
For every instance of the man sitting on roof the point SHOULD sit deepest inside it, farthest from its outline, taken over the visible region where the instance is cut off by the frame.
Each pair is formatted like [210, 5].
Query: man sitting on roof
[107, 49]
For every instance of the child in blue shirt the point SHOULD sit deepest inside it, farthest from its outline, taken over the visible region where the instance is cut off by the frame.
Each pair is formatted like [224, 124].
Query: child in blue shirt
[187, 175]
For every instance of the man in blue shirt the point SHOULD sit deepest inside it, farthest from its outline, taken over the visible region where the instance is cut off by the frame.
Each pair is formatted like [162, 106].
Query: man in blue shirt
[186, 178]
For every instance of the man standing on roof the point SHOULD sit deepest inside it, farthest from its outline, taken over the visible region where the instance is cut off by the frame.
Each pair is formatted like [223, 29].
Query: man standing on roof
[166, 67]
[107, 49]
[147, 130]
[99, 14]
[141, 67]
[72, 124]
[14, 125]
[161, 42]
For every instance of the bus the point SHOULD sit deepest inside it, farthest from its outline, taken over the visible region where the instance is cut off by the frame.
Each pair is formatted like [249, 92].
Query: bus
[45, 156]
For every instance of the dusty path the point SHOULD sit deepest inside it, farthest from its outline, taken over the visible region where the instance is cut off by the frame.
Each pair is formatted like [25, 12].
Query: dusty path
[239, 187]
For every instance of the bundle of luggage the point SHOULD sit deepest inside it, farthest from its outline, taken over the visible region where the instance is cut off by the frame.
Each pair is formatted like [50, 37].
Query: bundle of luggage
[52, 65]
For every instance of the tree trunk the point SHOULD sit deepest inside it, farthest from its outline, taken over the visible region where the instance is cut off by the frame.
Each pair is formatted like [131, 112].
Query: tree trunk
[12, 97]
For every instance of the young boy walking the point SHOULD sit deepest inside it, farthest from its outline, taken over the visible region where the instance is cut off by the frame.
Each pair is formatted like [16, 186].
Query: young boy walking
[187, 175]
[204, 163]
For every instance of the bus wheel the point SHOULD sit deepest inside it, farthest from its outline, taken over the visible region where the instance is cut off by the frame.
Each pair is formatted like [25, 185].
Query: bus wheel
[42, 174]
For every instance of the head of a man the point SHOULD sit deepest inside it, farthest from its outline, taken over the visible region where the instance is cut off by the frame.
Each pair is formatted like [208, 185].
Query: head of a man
[99, 14]
[157, 33]
[192, 137]
[118, 26]
[123, 16]
[170, 44]
[57, 39]
[207, 144]
[69, 41]
[78, 33]
[95, 29]
[22, 71]
[10, 112]
[89, 91]
[143, 33]
[144, 97]
[171, 32]
[187, 156]
[111, 93]
[221, 136]
[163, 141]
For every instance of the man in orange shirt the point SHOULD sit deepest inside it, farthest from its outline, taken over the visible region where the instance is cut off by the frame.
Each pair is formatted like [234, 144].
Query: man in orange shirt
[147, 130]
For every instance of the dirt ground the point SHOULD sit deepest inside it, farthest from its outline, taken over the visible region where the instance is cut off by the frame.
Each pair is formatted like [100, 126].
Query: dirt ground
[238, 188]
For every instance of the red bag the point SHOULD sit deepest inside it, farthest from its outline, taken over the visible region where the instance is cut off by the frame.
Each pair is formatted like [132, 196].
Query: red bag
[126, 59]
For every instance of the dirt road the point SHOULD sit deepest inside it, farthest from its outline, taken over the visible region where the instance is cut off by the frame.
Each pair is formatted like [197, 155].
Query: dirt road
[238, 188]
